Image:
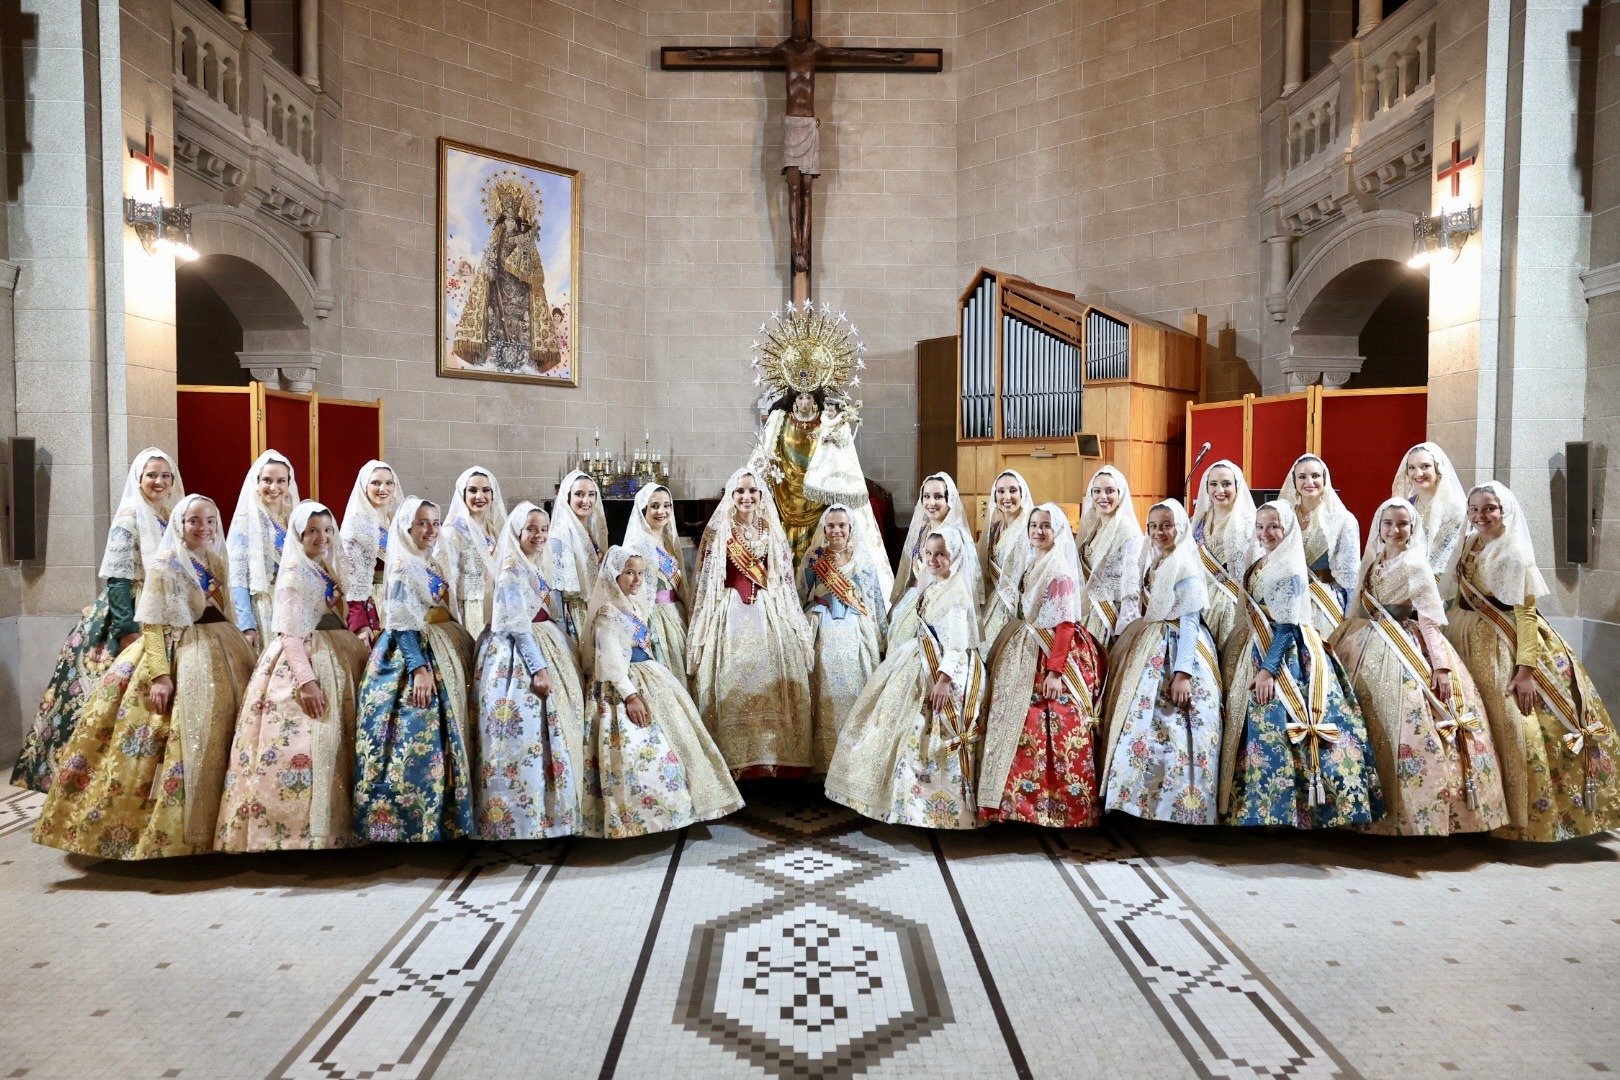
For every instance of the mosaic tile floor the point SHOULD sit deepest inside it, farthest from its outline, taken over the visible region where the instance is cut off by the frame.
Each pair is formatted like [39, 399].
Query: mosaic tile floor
[798, 940]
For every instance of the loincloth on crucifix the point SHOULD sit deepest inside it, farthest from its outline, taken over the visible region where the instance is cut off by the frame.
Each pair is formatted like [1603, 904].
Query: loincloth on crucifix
[801, 144]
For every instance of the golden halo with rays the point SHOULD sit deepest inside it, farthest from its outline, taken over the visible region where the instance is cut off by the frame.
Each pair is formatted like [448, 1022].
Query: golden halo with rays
[806, 349]
[510, 187]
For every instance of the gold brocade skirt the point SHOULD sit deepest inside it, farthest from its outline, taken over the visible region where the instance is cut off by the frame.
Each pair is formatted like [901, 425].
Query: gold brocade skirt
[1543, 781]
[136, 784]
[291, 776]
[996, 616]
[753, 690]
[847, 651]
[668, 623]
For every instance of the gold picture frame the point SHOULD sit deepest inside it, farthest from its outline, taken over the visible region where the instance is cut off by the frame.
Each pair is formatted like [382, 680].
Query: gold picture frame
[497, 247]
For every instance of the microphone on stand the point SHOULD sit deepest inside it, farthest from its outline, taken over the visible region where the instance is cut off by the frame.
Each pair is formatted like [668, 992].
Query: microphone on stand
[1192, 472]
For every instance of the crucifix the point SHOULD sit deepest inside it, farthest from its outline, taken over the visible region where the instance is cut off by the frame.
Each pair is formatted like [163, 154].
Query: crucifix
[1453, 172]
[800, 56]
[150, 160]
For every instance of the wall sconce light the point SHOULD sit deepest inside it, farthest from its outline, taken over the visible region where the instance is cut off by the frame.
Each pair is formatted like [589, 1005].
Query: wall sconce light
[160, 226]
[1448, 230]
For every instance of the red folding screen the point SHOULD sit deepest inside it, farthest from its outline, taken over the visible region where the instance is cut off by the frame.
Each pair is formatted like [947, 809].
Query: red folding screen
[216, 441]
[1361, 434]
[223, 428]
[350, 434]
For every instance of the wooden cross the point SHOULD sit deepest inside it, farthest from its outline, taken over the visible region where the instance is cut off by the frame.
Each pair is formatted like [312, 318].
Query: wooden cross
[1454, 170]
[150, 158]
[800, 56]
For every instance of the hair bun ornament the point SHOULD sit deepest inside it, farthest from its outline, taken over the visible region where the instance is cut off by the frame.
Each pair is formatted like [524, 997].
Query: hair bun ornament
[806, 349]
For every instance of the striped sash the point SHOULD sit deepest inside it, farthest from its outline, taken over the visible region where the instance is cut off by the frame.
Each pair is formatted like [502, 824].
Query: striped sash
[751, 565]
[1322, 596]
[1451, 721]
[959, 731]
[1071, 676]
[839, 584]
[1308, 708]
[1219, 575]
[1582, 729]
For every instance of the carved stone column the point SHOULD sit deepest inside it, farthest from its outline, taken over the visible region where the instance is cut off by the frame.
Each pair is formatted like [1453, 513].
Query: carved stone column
[320, 267]
[1372, 13]
[1293, 45]
[309, 40]
[236, 11]
[281, 369]
[1281, 249]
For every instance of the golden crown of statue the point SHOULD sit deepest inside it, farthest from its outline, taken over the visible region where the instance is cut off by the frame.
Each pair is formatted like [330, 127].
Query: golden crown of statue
[509, 190]
[806, 349]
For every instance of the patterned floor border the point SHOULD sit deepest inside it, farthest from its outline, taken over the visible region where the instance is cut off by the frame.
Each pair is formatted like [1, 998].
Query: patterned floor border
[19, 809]
[401, 1015]
[1227, 1017]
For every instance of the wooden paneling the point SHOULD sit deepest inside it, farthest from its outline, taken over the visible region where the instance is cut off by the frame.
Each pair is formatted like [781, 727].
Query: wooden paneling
[936, 406]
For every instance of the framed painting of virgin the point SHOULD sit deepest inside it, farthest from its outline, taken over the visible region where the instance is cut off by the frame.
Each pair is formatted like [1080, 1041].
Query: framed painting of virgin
[508, 267]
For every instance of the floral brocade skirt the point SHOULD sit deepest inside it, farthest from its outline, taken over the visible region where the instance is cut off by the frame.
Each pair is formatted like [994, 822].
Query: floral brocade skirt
[529, 752]
[899, 762]
[412, 771]
[1433, 784]
[1267, 778]
[1163, 761]
[1544, 780]
[136, 784]
[667, 775]
[77, 675]
[290, 778]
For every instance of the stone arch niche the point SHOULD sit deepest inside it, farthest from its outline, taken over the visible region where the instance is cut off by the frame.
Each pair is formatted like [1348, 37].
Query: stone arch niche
[247, 273]
[1358, 282]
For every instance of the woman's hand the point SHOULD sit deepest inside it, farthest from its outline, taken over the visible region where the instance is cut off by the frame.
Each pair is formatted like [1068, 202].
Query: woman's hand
[1181, 690]
[422, 687]
[312, 699]
[252, 636]
[940, 696]
[367, 637]
[1441, 685]
[1522, 689]
[541, 683]
[1263, 687]
[161, 694]
[1052, 686]
[636, 710]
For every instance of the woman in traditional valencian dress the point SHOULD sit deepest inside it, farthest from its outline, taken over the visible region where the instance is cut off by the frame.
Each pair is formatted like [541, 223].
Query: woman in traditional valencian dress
[292, 760]
[471, 534]
[1554, 739]
[1437, 769]
[1331, 538]
[142, 775]
[1110, 547]
[413, 776]
[910, 746]
[373, 502]
[108, 626]
[1040, 762]
[651, 533]
[258, 531]
[1427, 480]
[845, 605]
[1164, 696]
[1223, 530]
[579, 536]
[527, 777]
[1294, 749]
[749, 648]
[650, 764]
[1004, 551]
[939, 509]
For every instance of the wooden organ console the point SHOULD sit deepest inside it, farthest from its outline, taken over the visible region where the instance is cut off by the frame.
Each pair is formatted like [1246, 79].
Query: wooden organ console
[1037, 366]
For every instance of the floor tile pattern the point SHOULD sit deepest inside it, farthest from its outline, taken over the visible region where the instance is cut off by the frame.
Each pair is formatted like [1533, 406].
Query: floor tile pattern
[809, 982]
[18, 810]
[1228, 1019]
[404, 1011]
